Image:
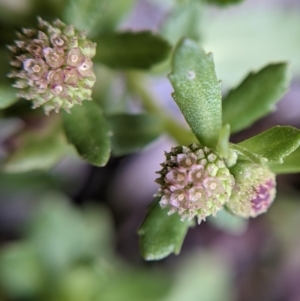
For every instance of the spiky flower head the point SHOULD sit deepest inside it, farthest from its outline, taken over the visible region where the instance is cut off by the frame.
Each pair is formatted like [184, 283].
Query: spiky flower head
[254, 189]
[194, 181]
[52, 65]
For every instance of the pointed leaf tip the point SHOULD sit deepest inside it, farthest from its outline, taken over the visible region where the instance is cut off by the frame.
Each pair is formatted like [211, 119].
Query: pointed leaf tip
[256, 96]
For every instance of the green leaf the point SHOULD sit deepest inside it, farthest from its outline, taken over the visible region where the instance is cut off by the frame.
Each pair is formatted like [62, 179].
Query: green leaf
[63, 235]
[7, 96]
[291, 164]
[184, 20]
[223, 2]
[131, 133]
[202, 275]
[223, 142]
[114, 13]
[38, 150]
[20, 271]
[197, 91]
[87, 129]
[136, 285]
[161, 234]
[84, 14]
[256, 96]
[275, 143]
[131, 50]
[244, 154]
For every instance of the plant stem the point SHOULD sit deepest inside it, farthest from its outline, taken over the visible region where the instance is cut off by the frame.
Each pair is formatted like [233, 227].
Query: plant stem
[137, 85]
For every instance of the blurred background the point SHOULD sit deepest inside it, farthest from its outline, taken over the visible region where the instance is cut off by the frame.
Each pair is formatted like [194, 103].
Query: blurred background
[69, 233]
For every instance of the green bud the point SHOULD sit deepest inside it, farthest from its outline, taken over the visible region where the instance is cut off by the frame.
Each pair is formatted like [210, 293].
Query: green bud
[53, 66]
[194, 181]
[254, 190]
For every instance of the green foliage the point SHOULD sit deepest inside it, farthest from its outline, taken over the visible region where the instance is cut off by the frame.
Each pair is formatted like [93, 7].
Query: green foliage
[184, 20]
[87, 129]
[135, 286]
[275, 143]
[197, 91]
[161, 234]
[223, 142]
[256, 96]
[84, 14]
[38, 150]
[130, 133]
[244, 154]
[20, 271]
[7, 96]
[131, 50]
[223, 2]
[290, 164]
[63, 235]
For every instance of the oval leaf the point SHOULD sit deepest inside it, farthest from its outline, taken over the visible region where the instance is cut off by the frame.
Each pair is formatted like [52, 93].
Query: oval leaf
[87, 130]
[275, 143]
[38, 150]
[131, 50]
[291, 164]
[184, 20]
[84, 14]
[161, 234]
[7, 96]
[131, 133]
[197, 91]
[256, 96]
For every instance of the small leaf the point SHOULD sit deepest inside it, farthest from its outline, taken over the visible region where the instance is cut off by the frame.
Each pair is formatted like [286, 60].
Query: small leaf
[7, 96]
[244, 154]
[84, 14]
[87, 130]
[197, 91]
[184, 20]
[161, 234]
[130, 50]
[275, 143]
[38, 150]
[223, 142]
[291, 164]
[131, 133]
[21, 273]
[256, 96]
[223, 2]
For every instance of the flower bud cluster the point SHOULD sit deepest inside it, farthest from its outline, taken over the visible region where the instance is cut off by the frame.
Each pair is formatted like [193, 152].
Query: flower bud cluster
[52, 65]
[254, 190]
[194, 181]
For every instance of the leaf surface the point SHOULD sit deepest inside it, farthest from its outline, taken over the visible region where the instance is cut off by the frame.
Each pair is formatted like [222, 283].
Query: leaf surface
[197, 91]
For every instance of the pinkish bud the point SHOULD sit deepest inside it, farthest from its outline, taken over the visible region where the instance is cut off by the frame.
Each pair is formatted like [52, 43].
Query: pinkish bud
[254, 190]
[75, 57]
[71, 76]
[52, 65]
[36, 68]
[54, 56]
[194, 181]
